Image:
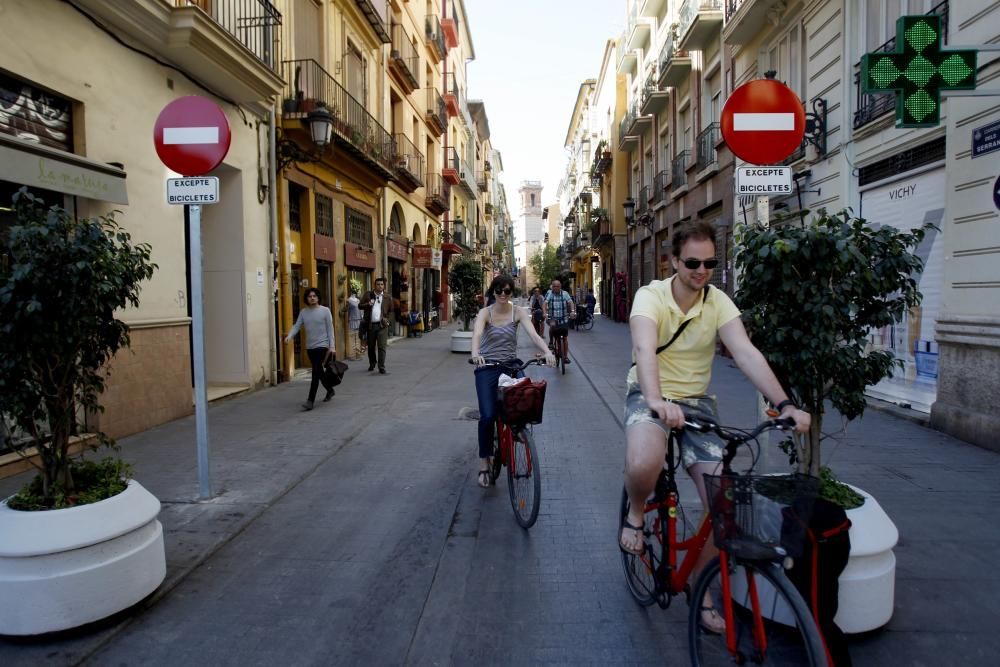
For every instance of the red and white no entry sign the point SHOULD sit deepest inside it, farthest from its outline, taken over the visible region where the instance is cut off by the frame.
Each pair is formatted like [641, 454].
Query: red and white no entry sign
[192, 135]
[763, 121]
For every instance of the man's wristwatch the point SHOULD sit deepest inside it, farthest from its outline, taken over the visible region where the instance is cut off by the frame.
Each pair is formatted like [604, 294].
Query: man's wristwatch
[784, 404]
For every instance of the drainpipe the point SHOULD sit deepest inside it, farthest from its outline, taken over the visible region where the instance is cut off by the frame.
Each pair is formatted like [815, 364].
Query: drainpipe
[443, 306]
[272, 201]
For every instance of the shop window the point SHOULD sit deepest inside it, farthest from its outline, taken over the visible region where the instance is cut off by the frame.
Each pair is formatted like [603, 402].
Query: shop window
[359, 227]
[295, 194]
[324, 215]
[31, 114]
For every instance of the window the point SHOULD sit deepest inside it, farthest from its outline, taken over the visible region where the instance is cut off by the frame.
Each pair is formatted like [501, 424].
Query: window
[359, 227]
[324, 215]
[785, 58]
[357, 75]
[295, 194]
[880, 18]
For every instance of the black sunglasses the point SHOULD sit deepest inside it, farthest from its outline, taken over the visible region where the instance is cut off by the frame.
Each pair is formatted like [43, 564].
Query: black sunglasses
[693, 264]
[506, 290]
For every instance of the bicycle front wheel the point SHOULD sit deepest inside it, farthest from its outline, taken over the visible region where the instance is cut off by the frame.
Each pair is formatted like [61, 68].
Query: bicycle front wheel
[589, 324]
[524, 480]
[641, 571]
[771, 623]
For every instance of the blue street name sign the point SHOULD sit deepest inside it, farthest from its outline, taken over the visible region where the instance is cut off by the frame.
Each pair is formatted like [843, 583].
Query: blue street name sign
[986, 139]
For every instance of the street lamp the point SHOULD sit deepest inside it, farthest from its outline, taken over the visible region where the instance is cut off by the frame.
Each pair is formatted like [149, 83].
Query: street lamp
[320, 125]
[629, 206]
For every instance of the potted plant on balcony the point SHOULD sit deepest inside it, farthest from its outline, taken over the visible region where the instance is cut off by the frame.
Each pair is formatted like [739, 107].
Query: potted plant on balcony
[81, 540]
[465, 280]
[811, 296]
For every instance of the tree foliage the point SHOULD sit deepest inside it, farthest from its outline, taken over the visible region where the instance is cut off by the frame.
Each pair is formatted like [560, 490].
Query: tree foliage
[465, 280]
[59, 290]
[545, 266]
[810, 298]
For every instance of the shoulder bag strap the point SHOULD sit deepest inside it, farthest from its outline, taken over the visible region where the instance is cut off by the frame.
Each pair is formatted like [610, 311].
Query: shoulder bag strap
[680, 329]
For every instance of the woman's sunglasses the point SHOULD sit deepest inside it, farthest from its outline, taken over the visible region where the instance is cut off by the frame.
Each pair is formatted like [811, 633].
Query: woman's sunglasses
[506, 290]
[693, 264]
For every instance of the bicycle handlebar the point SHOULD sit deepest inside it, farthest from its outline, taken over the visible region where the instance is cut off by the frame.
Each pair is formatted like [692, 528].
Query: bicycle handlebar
[512, 365]
[733, 437]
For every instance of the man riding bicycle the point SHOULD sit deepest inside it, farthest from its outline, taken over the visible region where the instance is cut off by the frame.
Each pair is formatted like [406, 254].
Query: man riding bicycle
[674, 323]
[558, 309]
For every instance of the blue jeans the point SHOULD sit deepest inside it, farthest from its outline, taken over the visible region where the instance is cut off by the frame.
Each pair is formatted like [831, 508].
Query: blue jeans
[488, 395]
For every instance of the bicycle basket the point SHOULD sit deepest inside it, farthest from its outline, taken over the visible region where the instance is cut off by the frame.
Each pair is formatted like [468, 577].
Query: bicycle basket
[522, 403]
[761, 517]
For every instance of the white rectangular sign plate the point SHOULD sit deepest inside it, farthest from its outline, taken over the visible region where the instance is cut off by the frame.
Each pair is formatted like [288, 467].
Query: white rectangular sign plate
[193, 190]
[763, 180]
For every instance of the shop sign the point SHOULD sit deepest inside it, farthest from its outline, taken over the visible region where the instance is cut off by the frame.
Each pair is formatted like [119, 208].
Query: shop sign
[50, 169]
[396, 250]
[437, 258]
[986, 139]
[422, 256]
[358, 256]
[326, 247]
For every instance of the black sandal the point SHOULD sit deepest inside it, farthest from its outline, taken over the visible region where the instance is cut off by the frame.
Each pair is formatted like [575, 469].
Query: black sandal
[638, 529]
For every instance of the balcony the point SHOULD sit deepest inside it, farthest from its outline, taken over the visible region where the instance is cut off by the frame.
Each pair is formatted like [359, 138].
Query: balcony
[467, 181]
[699, 23]
[678, 167]
[449, 26]
[231, 46]
[451, 97]
[437, 194]
[642, 211]
[435, 38]
[488, 210]
[452, 166]
[482, 181]
[376, 12]
[705, 147]
[745, 19]
[437, 113]
[602, 159]
[409, 164]
[660, 184]
[354, 129]
[654, 100]
[634, 124]
[626, 140]
[651, 8]
[627, 60]
[872, 106]
[675, 65]
[602, 232]
[404, 62]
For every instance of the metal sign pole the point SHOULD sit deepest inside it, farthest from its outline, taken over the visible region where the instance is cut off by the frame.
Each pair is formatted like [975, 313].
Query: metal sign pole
[198, 353]
[764, 218]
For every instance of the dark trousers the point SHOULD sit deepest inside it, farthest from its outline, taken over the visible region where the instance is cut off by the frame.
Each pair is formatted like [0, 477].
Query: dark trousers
[317, 355]
[378, 339]
[488, 394]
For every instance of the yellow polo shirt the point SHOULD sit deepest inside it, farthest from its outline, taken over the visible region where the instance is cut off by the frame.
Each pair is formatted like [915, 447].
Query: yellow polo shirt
[685, 366]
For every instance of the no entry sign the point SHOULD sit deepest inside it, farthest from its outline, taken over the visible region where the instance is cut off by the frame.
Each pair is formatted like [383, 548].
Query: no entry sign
[192, 135]
[763, 121]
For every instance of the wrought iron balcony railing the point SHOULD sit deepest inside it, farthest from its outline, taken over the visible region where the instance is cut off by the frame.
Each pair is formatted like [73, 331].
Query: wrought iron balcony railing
[706, 141]
[409, 161]
[660, 184]
[435, 37]
[405, 57]
[253, 23]
[678, 167]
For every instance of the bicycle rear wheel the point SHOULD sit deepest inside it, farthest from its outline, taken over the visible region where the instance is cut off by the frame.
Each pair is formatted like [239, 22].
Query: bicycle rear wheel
[589, 324]
[524, 481]
[640, 571]
[787, 629]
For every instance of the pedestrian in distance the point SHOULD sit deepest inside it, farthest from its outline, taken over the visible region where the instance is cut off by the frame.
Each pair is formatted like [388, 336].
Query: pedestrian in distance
[377, 308]
[674, 324]
[318, 323]
[494, 339]
[536, 306]
[354, 323]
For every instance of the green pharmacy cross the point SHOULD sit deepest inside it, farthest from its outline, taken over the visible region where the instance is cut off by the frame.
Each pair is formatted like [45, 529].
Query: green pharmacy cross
[918, 70]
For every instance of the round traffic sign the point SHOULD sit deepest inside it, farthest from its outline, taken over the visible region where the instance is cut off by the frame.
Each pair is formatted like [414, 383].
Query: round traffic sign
[192, 135]
[763, 121]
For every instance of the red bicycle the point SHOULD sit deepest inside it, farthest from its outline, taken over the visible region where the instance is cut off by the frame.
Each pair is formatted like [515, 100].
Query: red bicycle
[559, 333]
[759, 524]
[520, 407]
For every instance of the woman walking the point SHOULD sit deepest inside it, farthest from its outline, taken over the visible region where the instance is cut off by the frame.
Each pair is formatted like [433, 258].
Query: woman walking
[318, 323]
[494, 340]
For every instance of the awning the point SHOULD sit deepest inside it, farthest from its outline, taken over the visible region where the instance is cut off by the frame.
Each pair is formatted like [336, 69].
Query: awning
[43, 167]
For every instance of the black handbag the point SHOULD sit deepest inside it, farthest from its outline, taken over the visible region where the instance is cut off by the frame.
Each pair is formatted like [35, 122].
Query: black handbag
[335, 370]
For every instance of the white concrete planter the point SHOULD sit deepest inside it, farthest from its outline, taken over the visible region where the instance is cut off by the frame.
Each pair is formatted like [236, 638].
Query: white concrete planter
[461, 341]
[867, 584]
[60, 569]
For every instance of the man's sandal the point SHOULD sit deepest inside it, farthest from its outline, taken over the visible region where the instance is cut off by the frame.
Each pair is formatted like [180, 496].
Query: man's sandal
[714, 615]
[638, 529]
[484, 479]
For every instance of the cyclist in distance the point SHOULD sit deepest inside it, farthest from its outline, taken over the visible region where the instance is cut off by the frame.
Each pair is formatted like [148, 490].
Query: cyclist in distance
[494, 339]
[658, 383]
[557, 309]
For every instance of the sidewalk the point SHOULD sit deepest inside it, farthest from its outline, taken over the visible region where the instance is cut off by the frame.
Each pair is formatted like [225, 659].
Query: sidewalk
[355, 533]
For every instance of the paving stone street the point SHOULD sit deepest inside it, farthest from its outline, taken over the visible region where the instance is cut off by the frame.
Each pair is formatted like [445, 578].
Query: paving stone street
[355, 534]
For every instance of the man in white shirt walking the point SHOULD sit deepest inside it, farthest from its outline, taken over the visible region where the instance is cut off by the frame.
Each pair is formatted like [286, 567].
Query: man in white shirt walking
[377, 306]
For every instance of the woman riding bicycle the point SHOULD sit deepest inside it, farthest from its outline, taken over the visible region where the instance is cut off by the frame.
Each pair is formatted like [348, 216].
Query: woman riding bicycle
[674, 324]
[494, 339]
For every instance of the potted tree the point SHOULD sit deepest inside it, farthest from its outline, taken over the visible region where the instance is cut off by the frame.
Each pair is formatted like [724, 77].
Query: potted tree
[80, 541]
[465, 278]
[811, 295]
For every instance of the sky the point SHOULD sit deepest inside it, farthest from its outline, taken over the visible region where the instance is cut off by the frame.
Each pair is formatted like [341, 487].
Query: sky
[531, 57]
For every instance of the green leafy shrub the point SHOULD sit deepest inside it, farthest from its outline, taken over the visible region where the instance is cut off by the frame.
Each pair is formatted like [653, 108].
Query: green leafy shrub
[465, 280]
